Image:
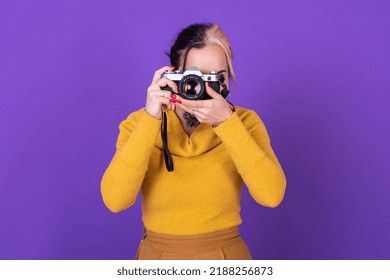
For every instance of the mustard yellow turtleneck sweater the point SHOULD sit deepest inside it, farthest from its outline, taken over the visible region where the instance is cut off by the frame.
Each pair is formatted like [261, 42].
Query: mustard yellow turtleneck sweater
[203, 192]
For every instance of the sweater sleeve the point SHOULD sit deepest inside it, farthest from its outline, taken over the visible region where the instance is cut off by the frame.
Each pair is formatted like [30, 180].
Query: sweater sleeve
[250, 149]
[123, 177]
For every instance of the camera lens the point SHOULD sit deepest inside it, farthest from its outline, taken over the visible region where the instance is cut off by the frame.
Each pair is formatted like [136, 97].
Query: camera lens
[191, 87]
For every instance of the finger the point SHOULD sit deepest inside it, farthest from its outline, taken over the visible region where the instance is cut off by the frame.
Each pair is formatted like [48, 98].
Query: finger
[168, 103]
[158, 99]
[163, 101]
[167, 82]
[159, 72]
[195, 103]
[193, 110]
[161, 93]
[185, 108]
[200, 117]
[211, 92]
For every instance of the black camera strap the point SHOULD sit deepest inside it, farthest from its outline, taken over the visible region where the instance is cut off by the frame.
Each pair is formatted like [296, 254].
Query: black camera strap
[164, 137]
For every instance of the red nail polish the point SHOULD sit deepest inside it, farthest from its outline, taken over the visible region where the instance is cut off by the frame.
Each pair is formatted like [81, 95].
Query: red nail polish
[178, 101]
[171, 66]
[173, 96]
[208, 84]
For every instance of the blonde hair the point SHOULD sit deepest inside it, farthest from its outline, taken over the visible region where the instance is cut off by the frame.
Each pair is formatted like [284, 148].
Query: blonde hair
[198, 36]
[214, 35]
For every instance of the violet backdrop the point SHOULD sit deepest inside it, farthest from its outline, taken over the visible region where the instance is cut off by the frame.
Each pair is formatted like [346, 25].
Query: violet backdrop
[317, 72]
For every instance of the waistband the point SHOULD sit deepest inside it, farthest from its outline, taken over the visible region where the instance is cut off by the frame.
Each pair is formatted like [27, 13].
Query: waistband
[195, 241]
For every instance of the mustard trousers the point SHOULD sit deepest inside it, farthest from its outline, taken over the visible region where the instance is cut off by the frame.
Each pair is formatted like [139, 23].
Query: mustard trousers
[225, 244]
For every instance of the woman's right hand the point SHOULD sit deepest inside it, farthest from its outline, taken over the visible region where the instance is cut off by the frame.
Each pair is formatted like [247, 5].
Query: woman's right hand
[157, 98]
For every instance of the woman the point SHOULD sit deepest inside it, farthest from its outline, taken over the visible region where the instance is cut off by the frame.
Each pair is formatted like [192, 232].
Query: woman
[194, 211]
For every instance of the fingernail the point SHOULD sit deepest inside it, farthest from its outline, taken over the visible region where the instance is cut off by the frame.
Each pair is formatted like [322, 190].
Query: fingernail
[178, 101]
[173, 100]
[173, 96]
[171, 66]
[208, 84]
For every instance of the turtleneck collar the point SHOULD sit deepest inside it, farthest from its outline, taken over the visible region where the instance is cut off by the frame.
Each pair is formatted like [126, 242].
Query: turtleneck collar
[180, 144]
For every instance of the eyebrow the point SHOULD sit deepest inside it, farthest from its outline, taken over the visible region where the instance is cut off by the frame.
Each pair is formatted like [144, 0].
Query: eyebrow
[218, 72]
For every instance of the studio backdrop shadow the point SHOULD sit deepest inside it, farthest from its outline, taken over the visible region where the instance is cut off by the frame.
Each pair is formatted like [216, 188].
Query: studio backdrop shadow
[315, 71]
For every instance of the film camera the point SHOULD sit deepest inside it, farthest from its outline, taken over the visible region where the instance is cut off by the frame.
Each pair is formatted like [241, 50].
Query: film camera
[191, 83]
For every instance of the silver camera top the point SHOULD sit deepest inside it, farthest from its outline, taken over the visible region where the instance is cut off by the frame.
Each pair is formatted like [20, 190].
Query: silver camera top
[177, 75]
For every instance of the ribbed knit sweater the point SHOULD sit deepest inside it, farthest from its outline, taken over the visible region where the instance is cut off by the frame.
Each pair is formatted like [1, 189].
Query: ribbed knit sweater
[203, 192]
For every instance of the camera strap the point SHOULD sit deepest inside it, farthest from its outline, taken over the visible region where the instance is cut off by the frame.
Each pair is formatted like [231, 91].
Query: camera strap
[164, 137]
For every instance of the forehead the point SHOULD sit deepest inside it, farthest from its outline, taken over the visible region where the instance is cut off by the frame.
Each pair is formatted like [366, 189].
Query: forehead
[208, 58]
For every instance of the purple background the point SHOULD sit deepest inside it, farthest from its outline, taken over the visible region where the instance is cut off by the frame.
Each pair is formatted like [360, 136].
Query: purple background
[317, 72]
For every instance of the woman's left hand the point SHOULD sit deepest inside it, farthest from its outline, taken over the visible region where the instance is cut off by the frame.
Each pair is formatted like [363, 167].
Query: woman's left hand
[211, 111]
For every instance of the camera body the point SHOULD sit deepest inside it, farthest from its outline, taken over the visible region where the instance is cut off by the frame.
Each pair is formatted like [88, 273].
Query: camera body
[192, 83]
